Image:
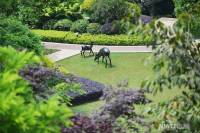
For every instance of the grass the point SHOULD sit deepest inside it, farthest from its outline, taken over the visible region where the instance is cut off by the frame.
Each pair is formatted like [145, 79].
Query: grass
[126, 66]
[50, 51]
[130, 66]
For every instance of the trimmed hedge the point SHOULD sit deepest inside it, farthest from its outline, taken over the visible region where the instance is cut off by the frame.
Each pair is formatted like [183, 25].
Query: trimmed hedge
[100, 39]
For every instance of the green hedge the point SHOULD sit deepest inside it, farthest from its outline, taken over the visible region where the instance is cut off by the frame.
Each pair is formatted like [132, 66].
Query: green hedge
[100, 39]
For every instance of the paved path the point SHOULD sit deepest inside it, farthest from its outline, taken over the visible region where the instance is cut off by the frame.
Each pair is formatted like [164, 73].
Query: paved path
[68, 50]
[62, 54]
[169, 22]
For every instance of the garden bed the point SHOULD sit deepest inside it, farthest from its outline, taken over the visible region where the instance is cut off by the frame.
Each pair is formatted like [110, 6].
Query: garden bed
[98, 39]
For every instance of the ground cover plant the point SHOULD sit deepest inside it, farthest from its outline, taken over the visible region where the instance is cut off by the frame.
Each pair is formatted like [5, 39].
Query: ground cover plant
[101, 39]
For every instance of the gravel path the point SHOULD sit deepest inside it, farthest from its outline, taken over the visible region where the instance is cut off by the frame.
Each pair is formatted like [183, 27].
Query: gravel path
[68, 50]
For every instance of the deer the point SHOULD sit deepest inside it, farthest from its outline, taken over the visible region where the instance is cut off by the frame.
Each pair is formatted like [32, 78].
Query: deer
[105, 54]
[86, 48]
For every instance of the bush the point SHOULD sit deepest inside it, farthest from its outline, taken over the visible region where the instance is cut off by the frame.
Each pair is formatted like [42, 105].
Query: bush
[93, 28]
[87, 5]
[49, 25]
[13, 33]
[119, 103]
[80, 26]
[19, 112]
[28, 16]
[100, 39]
[45, 82]
[191, 23]
[134, 12]
[116, 27]
[184, 6]
[105, 11]
[64, 25]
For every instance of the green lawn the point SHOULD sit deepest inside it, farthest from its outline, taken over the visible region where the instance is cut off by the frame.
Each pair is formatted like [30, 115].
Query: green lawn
[50, 51]
[127, 66]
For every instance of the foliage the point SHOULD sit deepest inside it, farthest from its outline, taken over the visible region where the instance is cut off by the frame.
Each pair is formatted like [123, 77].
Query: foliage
[19, 112]
[119, 102]
[8, 6]
[86, 124]
[49, 25]
[134, 12]
[28, 15]
[87, 5]
[46, 82]
[190, 20]
[93, 28]
[80, 26]
[176, 66]
[64, 24]
[184, 6]
[13, 33]
[109, 29]
[104, 11]
[100, 39]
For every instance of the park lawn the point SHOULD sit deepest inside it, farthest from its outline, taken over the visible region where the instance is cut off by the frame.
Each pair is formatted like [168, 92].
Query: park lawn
[50, 51]
[126, 66]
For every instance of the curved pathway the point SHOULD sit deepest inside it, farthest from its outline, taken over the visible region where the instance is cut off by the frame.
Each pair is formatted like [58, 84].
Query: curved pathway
[68, 50]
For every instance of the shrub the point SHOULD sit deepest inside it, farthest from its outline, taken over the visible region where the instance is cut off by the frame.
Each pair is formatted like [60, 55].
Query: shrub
[64, 24]
[80, 26]
[46, 82]
[116, 27]
[134, 12]
[20, 113]
[87, 5]
[28, 16]
[119, 103]
[13, 33]
[49, 25]
[100, 39]
[105, 11]
[93, 28]
[107, 29]
[191, 23]
[184, 6]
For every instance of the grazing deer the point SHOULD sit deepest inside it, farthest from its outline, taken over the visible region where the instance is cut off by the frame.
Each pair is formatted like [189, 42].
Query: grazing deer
[86, 48]
[105, 54]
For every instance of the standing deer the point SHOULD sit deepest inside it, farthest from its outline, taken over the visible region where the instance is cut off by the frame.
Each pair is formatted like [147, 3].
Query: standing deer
[105, 54]
[86, 48]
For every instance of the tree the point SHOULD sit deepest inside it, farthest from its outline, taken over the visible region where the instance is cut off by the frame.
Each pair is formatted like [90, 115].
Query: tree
[177, 62]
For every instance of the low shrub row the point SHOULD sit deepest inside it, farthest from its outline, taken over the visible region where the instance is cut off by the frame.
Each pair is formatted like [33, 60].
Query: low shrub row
[101, 39]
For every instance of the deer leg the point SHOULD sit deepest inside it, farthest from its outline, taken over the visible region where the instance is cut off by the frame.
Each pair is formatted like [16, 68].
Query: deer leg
[110, 61]
[92, 52]
[102, 58]
[84, 54]
[81, 53]
[106, 62]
